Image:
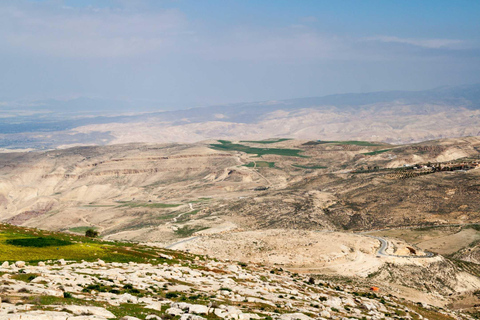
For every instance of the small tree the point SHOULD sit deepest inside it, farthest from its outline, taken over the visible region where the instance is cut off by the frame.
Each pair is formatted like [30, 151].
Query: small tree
[91, 233]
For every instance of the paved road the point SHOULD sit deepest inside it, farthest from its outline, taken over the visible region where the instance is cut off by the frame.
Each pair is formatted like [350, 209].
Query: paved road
[179, 242]
[384, 246]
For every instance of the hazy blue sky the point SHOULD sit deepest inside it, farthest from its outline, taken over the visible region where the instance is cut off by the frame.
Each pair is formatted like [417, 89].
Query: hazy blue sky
[203, 52]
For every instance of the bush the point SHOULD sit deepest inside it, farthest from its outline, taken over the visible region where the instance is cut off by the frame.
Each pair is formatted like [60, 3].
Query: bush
[91, 233]
[67, 295]
[170, 295]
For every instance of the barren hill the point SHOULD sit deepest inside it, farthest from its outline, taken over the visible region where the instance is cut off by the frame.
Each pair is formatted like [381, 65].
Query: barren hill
[303, 205]
[150, 192]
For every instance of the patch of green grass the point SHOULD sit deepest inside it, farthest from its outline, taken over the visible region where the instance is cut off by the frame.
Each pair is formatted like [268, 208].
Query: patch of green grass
[229, 146]
[187, 231]
[308, 167]
[376, 152]
[38, 242]
[122, 310]
[98, 206]
[132, 310]
[149, 205]
[81, 230]
[202, 199]
[18, 243]
[260, 164]
[186, 215]
[25, 277]
[266, 141]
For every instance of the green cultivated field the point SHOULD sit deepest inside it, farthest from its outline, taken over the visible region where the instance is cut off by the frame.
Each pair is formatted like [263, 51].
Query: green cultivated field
[260, 164]
[376, 152]
[225, 145]
[266, 141]
[308, 167]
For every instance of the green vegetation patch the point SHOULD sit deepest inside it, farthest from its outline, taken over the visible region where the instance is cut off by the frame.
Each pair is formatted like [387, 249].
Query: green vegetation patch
[260, 164]
[376, 152]
[39, 242]
[149, 205]
[308, 166]
[33, 245]
[81, 230]
[187, 231]
[25, 277]
[98, 206]
[201, 199]
[266, 141]
[186, 215]
[225, 145]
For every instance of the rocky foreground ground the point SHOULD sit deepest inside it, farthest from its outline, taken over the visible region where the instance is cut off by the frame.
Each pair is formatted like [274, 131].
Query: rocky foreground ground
[193, 290]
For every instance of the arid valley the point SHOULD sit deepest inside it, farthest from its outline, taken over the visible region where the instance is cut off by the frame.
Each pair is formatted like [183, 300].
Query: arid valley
[372, 213]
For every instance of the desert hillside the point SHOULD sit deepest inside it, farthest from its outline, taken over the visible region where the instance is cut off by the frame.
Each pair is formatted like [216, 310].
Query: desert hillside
[364, 210]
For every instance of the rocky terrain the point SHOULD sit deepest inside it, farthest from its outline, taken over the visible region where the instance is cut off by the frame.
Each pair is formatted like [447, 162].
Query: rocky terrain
[190, 287]
[356, 213]
[163, 192]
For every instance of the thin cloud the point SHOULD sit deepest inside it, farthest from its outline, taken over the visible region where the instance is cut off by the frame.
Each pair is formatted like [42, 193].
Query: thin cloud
[424, 43]
[87, 32]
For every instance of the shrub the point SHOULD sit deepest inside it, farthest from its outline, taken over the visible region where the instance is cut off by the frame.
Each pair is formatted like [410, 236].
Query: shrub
[170, 295]
[67, 295]
[91, 233]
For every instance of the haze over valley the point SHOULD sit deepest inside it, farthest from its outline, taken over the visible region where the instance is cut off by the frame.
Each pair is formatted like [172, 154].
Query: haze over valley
[392, 117]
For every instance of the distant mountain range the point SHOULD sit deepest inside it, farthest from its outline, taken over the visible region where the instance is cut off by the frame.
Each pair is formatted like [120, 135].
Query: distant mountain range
[393, 116]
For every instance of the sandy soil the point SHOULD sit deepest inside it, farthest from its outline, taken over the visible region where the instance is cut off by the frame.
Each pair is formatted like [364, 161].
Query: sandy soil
[302, 251]
[451, 243]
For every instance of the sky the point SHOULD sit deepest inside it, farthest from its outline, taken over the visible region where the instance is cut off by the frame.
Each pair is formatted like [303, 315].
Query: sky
[187, 53]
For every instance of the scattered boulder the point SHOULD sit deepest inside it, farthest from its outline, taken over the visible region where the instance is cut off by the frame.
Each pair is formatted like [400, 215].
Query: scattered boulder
[294, 316]
[187, 316]
[198, 309]
[174, 311]
[92, 311]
